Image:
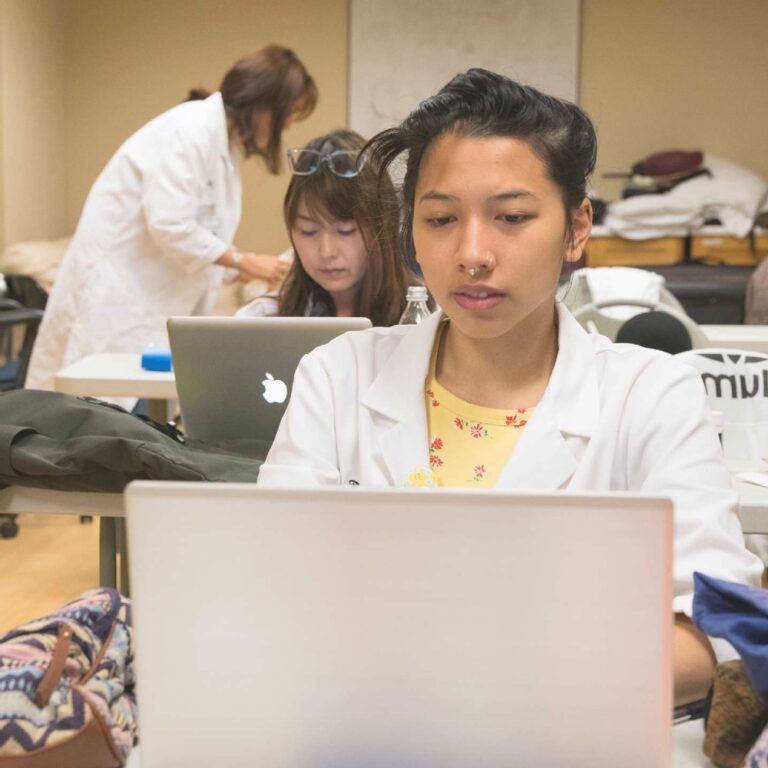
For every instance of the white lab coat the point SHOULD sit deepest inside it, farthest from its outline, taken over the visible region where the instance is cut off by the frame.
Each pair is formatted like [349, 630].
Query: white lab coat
[613, 417]
[163, 209]
[267, 305]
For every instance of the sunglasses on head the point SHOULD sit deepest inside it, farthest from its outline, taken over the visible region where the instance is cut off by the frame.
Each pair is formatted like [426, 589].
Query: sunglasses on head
[341, 162]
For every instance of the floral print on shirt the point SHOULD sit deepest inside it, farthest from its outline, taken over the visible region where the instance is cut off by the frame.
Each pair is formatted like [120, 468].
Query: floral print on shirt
[469, 445]
[475, 430]
[434, 459]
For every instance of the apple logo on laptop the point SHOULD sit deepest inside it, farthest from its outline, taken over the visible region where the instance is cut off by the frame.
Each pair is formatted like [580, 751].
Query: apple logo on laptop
[275, 390]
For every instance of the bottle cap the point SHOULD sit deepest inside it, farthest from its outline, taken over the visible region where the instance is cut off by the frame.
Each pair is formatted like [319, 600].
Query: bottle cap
[416, 293]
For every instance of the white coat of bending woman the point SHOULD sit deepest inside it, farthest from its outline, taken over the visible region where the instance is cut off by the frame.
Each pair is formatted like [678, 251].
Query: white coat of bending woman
[155, 235]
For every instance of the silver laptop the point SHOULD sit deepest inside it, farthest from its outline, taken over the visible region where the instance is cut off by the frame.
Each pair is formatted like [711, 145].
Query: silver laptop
[234, 374]
[340, 628]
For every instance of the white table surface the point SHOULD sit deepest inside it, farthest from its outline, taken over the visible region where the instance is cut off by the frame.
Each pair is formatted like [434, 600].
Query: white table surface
[753, 507]
[115, 375]
[19, 500]
[686, 750]
[16, 499]
[687, 753]
[753, 499]
[752, 337]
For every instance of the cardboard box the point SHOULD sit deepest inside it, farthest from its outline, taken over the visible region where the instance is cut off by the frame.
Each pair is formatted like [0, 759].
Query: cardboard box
[611, 251]
[712, 245]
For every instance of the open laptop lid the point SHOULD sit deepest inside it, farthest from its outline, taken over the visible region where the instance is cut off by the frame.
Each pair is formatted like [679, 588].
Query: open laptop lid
[234, 374]
[347, 627]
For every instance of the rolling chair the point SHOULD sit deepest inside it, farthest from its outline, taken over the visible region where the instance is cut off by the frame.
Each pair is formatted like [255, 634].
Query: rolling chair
[593, 318]
[603, 299]
[635, 284]
[656, 330]
[21, 310]
[13, 372]
[22, 302]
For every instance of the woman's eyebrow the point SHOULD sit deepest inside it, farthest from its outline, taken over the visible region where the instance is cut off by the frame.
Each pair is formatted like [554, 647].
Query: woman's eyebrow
[511, 194]
[306, 218]
[435, 195]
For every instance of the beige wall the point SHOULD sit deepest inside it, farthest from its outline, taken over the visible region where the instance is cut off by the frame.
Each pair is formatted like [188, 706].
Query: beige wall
[32, 201]
[668, 74]
[77, 77]
[129, 61]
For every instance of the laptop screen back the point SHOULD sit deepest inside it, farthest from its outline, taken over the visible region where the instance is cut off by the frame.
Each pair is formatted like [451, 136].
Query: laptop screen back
[350, 627]
[234, 374]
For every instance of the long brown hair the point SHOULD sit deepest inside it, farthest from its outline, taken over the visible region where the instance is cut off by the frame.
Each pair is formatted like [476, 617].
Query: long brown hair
[372, 205]
[271, 80]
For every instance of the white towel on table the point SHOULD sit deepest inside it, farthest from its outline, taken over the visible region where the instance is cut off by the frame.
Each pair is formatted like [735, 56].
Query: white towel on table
[733, 194]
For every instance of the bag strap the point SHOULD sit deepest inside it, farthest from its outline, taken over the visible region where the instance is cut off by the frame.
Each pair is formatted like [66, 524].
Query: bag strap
[55, 667]
[99, 656]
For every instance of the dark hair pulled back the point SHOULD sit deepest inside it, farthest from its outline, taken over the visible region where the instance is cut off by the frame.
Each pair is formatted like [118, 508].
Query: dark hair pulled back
[484, 104]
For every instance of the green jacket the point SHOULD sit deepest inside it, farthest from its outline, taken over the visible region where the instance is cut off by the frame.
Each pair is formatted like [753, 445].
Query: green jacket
[50, 440]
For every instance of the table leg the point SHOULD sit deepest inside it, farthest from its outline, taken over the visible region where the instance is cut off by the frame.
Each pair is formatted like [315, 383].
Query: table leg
[122, 549]
[107, 552]
[158, 410]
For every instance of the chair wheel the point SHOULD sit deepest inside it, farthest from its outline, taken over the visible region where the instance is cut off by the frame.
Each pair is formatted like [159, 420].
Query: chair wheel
[8, 528]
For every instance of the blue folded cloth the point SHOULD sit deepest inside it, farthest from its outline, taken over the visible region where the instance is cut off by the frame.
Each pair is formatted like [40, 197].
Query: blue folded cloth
[737, 613]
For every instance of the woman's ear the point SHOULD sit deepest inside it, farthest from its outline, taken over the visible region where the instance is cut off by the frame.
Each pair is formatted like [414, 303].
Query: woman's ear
[581, 228]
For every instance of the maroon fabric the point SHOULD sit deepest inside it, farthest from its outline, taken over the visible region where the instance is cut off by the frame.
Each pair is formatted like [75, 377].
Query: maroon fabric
[673, 162]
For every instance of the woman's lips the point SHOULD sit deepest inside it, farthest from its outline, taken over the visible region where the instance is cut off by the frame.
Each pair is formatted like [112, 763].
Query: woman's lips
[476, 298]
[332, 272]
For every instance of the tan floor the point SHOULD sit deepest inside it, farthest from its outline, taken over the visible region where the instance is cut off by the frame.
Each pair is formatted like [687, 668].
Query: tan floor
[52, 560]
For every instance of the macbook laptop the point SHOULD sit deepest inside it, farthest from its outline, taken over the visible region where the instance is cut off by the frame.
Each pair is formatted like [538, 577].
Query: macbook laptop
[340, 628]
[234, 374]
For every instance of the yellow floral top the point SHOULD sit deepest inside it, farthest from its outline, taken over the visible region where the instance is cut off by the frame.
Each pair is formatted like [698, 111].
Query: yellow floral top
[468, 444]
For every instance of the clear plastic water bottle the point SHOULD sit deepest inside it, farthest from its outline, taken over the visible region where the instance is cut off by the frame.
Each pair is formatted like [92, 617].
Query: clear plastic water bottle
[416, 308]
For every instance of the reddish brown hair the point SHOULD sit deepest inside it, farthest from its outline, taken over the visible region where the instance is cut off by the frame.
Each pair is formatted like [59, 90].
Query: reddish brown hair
[271, 80]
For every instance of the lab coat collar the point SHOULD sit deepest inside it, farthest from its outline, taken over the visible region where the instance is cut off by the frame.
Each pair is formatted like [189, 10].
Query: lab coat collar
[556, 436]
[551, 443]
[573, 385]
[398, 391]
[396, 397]
[219, 115]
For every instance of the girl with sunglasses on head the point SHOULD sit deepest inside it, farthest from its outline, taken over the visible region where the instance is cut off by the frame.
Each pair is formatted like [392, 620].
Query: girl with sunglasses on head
[503, 388]
[342, 223]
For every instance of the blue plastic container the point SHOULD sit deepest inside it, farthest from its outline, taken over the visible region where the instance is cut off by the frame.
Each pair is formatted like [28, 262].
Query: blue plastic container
[156, 359]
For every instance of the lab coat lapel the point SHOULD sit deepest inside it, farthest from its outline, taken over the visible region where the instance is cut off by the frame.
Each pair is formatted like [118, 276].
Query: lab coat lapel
[396, 402]
[553, 441]
[542, 459]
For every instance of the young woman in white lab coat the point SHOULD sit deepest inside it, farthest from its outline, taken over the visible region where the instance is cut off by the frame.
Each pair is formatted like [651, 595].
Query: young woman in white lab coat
[155, 235]
[342, 222]
[503, 388]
